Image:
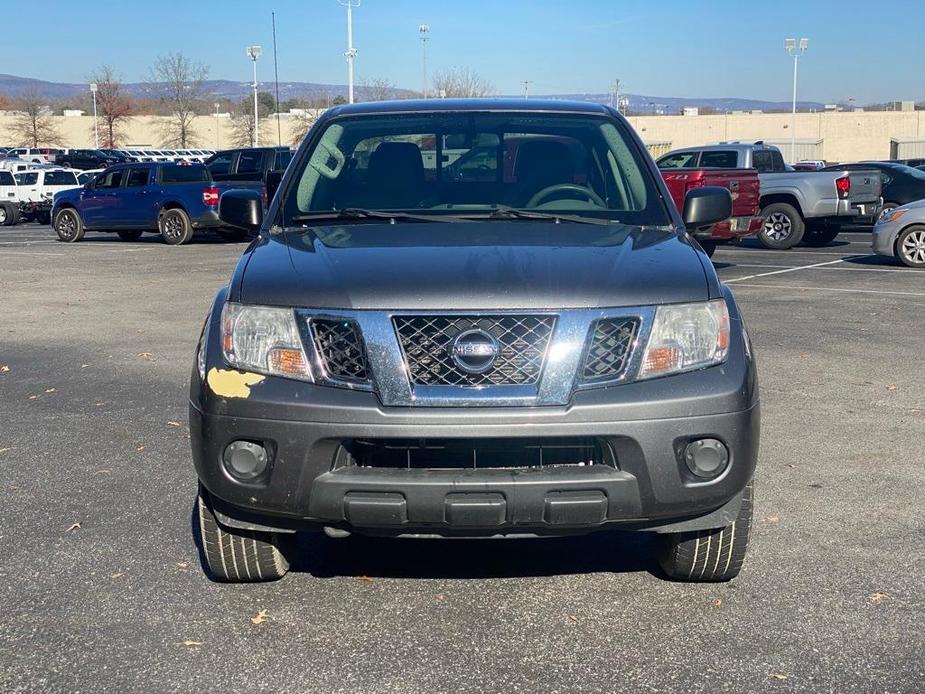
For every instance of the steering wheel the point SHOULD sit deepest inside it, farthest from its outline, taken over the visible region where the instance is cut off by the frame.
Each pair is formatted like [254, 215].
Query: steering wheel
[566, 188]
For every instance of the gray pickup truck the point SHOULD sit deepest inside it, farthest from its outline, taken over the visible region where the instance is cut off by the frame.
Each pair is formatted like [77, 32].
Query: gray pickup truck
[808, 206]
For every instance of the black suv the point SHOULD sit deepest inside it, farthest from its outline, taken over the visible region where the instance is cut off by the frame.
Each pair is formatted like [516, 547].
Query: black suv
[529, 345]
[248, 164]
[88, 159]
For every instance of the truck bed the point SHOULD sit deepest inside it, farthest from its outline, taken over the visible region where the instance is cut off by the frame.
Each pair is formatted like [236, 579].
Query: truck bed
[743, 184]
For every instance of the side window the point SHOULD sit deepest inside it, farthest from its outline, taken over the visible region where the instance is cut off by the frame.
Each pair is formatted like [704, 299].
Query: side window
[681, 160]
[28, 178]
[282, 160]
[6, 179]
[110, 179]
[249, 161]
[761, 160]
[719, 160]
[221, 163]
[777, 161]
[138, 178]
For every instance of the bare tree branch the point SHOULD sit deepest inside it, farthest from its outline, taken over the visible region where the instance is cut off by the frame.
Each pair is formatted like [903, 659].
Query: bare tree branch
[33, 125]
[303, 122]
[242, 126]
[462, 82]
[113, 107]
[178, 83]
[377, 89]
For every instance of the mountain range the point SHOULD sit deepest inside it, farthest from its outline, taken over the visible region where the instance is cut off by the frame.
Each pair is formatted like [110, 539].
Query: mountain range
[12, 86]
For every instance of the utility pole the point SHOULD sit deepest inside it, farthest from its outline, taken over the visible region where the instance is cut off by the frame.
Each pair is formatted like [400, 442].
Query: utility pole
[217, 136]
[254, 52]
[96, 122]
[790, 45]
[615, 95]
[423, 30]
[526, 84]
[351, 52]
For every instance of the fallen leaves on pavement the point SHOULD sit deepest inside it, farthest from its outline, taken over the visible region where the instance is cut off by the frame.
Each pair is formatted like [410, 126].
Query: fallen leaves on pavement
[7, 449]
[145, 355]
[877, 597]
[366, 579]
[4, 369]
[191, 644]
[119, 574]
[49, 390]
[73, 526]
[172, 423]
[260, 617]
[891, 387]
[777, 675]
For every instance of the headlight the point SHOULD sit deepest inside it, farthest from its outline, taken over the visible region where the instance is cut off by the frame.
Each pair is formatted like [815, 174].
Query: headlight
[263, 339]
[686, 337]
[893, 216]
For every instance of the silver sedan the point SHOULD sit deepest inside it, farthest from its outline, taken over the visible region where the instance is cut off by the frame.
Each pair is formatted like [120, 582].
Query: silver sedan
[901, 232]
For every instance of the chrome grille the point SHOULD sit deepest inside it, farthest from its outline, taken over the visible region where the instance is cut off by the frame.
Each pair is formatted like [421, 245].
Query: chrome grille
[340, 347]
[609, 351]
[426, 342]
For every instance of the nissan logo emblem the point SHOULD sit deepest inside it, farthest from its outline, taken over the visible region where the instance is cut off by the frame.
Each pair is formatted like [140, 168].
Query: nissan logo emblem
[474, 351]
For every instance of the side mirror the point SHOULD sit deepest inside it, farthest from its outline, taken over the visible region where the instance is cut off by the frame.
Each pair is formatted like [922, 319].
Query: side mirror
[242, 209]
[704, 207]
[273, 179]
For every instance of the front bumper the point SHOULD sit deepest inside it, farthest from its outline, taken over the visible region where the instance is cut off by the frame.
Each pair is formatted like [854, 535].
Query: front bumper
[883, 238]
[645, 424]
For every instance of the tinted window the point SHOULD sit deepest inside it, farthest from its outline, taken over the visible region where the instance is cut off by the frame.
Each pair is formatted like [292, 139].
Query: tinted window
[761, 160]
[60, 178]
[719, 160]
[282, 160]
[6, 179]
[137, 178]
[586, 165]
[184, 174]
[221, 163]
[27, 178]
[249, 161]
[110, 179]
[681, 160]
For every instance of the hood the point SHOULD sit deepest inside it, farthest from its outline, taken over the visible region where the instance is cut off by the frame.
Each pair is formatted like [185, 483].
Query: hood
[473, 265]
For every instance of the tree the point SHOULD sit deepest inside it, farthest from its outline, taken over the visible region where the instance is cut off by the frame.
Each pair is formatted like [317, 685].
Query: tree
[33, 125]
[178, 83]
[242, 125]
[113, 107]
[462, 82]
[5, 103]
[338, 100]
[378, 89]
[302, 123]
[266, 104]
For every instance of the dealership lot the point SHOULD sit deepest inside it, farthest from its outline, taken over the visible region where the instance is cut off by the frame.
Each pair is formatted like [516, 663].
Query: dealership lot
[100, 583]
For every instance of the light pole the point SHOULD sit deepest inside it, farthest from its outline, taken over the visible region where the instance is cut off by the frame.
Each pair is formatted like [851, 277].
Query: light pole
[790, 45]
[526, 84]
[351, 52]
[96, 123]
[218, 145]
[253, 52]
[423, 30]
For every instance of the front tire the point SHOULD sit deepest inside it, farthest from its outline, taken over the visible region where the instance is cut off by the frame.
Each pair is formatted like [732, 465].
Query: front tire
[129, 234]
[175, 227]
[783, 226]
[9, 215]
[910, 246]
[709, 555]
[231, 555]
[69, 226]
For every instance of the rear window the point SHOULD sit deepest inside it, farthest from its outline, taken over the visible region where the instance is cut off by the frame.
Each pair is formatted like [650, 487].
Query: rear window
[282, 160]
[719, 160]
[185, 174]
[681, 160]
[60, 178]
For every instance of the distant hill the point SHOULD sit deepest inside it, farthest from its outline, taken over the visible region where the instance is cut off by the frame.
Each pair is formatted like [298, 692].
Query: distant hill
[12, 86]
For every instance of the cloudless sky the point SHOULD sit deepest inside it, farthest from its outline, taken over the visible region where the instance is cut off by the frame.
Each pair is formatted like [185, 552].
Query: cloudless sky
[871, 51]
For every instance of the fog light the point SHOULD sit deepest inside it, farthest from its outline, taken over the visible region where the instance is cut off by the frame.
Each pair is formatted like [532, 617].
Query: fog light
[706, 458]
[245, 460]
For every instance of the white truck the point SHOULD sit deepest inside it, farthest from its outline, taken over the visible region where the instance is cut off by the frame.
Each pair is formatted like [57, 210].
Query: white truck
[36, 189]
[808, 206]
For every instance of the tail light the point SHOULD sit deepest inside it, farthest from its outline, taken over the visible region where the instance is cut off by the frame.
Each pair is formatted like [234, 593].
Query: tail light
[843, 186]
[210, 196]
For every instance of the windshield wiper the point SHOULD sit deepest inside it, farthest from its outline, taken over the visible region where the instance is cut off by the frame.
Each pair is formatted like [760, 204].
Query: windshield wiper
[513, 213]
[360, 213]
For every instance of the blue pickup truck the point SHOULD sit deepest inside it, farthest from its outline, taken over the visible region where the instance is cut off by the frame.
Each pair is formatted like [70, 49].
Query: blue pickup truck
[129, 199]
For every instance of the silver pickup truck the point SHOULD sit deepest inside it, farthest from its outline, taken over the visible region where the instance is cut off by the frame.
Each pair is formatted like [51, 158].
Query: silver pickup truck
[808, 206]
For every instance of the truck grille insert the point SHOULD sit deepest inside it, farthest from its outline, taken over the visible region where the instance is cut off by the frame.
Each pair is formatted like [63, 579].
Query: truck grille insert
[433, 454]
[427, 344]
[609, 351]
[340, 347]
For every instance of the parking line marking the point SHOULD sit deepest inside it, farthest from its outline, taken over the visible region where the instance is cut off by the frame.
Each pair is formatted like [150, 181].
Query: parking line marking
[836, 269]
[833, 289]
[791, 269]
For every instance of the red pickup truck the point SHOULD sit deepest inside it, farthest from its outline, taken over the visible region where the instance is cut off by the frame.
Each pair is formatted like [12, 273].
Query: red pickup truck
[745, 189]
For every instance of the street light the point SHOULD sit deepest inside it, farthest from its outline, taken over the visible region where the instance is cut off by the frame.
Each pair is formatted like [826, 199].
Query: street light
[351, 52]
[96, 123]
[790, 45]
[253, 52]
[423, 30]
[218, 145]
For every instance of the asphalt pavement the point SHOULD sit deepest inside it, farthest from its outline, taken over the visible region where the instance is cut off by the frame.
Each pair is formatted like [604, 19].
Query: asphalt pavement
[101, 587]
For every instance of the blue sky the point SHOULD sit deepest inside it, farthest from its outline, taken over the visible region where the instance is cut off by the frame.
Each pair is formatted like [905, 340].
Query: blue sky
[698, 48]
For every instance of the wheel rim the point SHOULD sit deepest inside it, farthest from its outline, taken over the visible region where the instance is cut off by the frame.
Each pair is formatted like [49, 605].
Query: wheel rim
[2, 215]
[913, 247]
[172, 227]
[777, 226]
[67, 225]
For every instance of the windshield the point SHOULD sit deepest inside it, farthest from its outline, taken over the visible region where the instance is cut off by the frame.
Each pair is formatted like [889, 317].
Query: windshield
[908, 170]
[470, 164]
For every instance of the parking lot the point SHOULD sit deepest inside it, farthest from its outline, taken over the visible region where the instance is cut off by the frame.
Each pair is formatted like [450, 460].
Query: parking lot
[102, 588]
